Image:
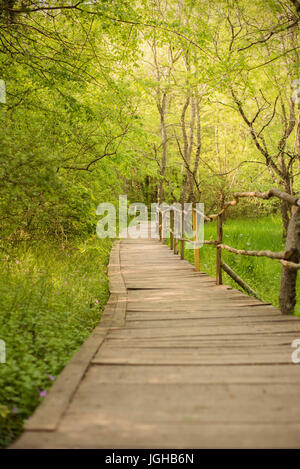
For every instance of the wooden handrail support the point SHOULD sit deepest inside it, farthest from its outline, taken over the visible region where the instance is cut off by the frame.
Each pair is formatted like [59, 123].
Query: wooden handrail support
[238, 279]
[219, 250]
[289, 258]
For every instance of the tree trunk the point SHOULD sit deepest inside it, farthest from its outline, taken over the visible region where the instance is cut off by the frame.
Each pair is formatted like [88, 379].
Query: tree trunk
[287, 296]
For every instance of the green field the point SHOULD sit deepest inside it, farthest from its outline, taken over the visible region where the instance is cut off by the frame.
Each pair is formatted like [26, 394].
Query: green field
[261, 273]
[50, 299]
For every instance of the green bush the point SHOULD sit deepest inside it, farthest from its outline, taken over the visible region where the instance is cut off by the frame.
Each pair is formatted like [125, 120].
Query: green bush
[51, 299]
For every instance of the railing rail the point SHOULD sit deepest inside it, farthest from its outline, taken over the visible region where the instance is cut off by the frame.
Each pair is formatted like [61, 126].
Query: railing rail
[289, 258]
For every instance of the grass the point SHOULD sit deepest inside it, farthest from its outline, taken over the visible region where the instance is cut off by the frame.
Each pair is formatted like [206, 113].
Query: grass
[50, 299]
[261, 273]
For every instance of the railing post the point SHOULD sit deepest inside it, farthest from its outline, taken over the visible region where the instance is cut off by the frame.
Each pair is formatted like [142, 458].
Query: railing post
[219, 250]
[182, 233]
[171, 228]
[195, 239]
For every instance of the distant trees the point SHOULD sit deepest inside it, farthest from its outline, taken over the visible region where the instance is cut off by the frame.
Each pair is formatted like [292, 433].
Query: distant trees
[70, 105]
[246, 59]
[176, 100]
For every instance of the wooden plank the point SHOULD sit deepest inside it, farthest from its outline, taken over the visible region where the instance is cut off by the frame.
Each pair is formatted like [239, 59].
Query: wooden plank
[208, 344]
[198, 314]
[193, 356]
[180, 403]
[164, 374]
[140, 306]
[127, 434]
[274, 328]
[205, 322]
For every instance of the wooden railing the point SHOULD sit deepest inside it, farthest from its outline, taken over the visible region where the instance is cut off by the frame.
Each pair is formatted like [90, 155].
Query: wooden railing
[289, 258]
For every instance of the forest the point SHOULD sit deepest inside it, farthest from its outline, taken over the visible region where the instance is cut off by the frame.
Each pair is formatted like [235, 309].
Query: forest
[161, 100]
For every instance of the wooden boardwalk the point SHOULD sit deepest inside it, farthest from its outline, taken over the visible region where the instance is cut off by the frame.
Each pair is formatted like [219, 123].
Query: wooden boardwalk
[175, 362]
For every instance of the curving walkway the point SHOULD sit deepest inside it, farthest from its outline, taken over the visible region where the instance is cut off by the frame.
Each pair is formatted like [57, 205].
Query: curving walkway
[175, 362]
